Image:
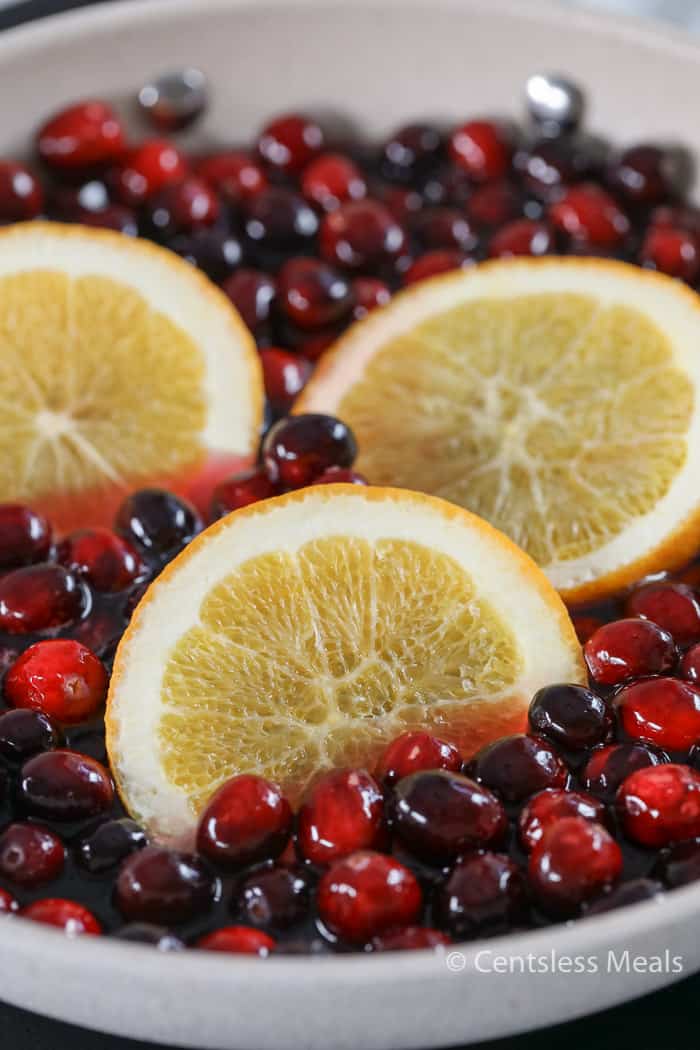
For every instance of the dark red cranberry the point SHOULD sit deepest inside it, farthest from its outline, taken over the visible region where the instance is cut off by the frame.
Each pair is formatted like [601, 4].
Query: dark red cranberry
[101, 630]
[673, 606]
[69, 916]
[680, 864]
[83, 136]
[26, 733]
[104, 559]
[409, 939]
[59, 677]
[290, 142]
[157, 522]
[312, 294]
[183, 207]
[573, 861]
[65, 785]
[484, 894]
[494, 204]
[339, 476]
[279, 221]
[414, 751]
[608, 766]
[521, 237]
[276, 897]
[25, 536]
[517, 766]
[233, 174]
[690, 665]
[571, 716]
[444, 228]
[343, 813]
[684, 217]
[8, 904]
[68, 201]
[585, 626]
[482, 149]
[296, 450]
[369, 293]
[285, 375]
[109, 844]
[447, 185]
[38, 597]
[214, 251]
[643, 174]
[361, 235]
[163, 886]
[547, 807]
[21, 195]
[433, 263]
[660, 805]
[632, 892]
[673, 252]
[239, 940]
[240, 491]
[404, 204]
[30, 855]
[148, 933]
[363, 895]
[148, 169]
[587, 213]
[547, 166]
[114, 217]
[439, 814]
[247, 820]
[252, 292]
[661, 711]
[628, 649]
[411, 152]
[331, 180]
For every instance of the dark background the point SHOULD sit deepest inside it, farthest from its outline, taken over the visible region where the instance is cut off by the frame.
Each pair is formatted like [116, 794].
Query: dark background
[665, 1021]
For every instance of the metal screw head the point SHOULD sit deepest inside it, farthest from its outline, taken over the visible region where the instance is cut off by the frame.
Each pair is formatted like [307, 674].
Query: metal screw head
[554, 103]
[174, 100]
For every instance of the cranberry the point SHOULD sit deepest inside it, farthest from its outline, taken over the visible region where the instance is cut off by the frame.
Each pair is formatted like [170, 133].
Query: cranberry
[109, 844]
[234, 174]
[414, 751]
[21, 195]
[285, 376]
[65, 785]
[247, 820]
[296, 450]
[26, 733]
[482, 149]
[673, 606]
[547, 807]
[433, 263]
[214, 251]
[661, 711]
[683, 217]
[404, 204]
[276, 897]
[30, 855]
[690, 665]
[660, 805]
[104, 559]
[411, 152]
[679, 864]
[240, 491]
[628, 649]
[8, 904]
[631, 892]
[444, 228]
[409, 938]
[279, 221]
[517, 766]
[587, 213]
[71, 917]
[550, 164]
[163, 886]
[38, 597]
[369, 293]
[362, 235]
[252, 292]
[148, 933]
[157, 522]
[484, 894]
[344, 813]
[447, 185]
[573, 861]
[494, 204]
[183, 207]
[439, 814]
[82, 136]
[313, 294]
[331, 180]
[113, 217]
[239, 940]
[339, 476]
[521, 237]
[59, 677]
[363, 895]
[571, 716]
[101, 630]
[608, 766]
[643, 175]
[290, 142]
[673, 252]
[25, 537]
[147, 170]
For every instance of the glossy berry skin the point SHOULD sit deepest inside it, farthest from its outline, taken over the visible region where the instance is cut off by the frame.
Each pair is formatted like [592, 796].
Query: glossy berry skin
[363, 895]
[631, 892]
[81, 137]
[608, 766]
[290, 142]
[285, 375]
[484, 894]
[690, 665]
[312, 294]
[238, 940]
[343, 813]
[25, 536]
[444, 228]
[521, 237]
[109, 844]
[547, 807]
[69, 916]
[481, 148]
[673, 252]
[59, 677]
[660, 805]
[661, 711]
[240, 491]
[331, 180]
[8, 904]
[411, 152]
[627, 649]
[233, 174]
[409, 939]
[438, 814]
[296, 450]
[361, 235]
[183, 207]
[24, 733]
[274, 897]
[414, 751]
[369, 293]
[573, 861]
[642, 175]
[252, 292]
[433, 263]
[571, 716]
[148, 169]
[21, 195]
[107, 561]
[673, 606]
[279, 222]
[30, 855]
[157, 522]
[214, 251]
[38, 597]
[148, 933]
[680, 864]
[517, 766]
[494, 204]
[587, 213]
[65, 786]
[246, 821]
[158, 885]
[340, 476]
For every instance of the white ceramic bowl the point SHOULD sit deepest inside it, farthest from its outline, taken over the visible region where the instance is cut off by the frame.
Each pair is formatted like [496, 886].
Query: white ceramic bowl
[380, 62]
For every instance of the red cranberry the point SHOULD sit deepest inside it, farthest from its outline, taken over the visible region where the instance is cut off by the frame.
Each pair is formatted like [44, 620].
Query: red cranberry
[157, 522]
[680, 864]
[8, 904]
[214, 251]
[183, 207]
[148, 169]
[331, 180]
[279, 221]
[30, 855]
[585, 626]
[344, 813]
[448, 185]
[482, 149]
[631, 892]
[276, 897]
[362, 235]
[252, 292]
[363, 895]
[673, 252]
[65, 785]
[21, 195]
[239, 940]
[339, 476]
[444, 228]
[587, 213]
[38, 597]
[439, 814]
[247, 820]
[521, 237]
[690, 665]
[148, 933]
[571, 716]
[494, 204]
[661, 711]
[404, 204]
[163, 886]
[69, 916]
[369, 293]
[25, 537]
[240, 491]
[433, 263]
[628, 649]
[285, 375]
[547, 807]
[409, 938]
[290, 142]
[643, 175]
[26, 733]
[110, 844]
[484, 894]
[678, 217]
[296, 450]
[673, 606]
[517, 766]
[660, 805]
[113, 217]
[414, 751]
[234, 174]
[411, 152]
[82, 136]
[313, 294]
[608, 766]
[59, 677]
[104, 559]
[573, 861]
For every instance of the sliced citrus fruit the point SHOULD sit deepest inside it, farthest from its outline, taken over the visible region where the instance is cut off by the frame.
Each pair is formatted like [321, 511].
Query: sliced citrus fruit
[121, 366]
[306, 631]
[558, 398]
